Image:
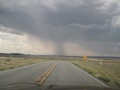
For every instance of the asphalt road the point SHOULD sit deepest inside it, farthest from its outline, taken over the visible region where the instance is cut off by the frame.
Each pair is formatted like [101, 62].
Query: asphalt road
[65, 73]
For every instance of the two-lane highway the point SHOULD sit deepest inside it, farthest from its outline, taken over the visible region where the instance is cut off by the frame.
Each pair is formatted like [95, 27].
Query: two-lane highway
[26, 74]
[63, 73]
[67, 73]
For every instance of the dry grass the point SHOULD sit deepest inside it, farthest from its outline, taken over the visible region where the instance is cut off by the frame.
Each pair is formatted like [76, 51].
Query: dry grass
[108, 72]
[10, 63]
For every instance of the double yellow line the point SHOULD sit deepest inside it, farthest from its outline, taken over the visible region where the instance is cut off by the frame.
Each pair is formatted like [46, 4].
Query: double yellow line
[45, 75]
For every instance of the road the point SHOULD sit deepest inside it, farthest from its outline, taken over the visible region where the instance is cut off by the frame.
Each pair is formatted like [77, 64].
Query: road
[64, 73]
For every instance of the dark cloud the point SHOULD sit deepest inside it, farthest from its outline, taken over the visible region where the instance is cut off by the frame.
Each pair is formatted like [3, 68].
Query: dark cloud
[88, 22]
[84, 15]
[16, 32]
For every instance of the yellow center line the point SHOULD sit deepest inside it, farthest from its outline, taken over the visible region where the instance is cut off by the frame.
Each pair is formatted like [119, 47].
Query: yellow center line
[45, 75]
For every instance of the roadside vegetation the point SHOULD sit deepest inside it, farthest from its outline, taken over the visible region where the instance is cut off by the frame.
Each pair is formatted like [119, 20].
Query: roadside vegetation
[106, 71]
[14, 62]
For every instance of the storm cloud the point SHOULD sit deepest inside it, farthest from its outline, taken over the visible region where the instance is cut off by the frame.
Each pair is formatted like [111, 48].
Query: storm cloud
[93, 25]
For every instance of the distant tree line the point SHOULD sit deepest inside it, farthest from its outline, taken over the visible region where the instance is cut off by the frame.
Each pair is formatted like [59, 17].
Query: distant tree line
[11, 54]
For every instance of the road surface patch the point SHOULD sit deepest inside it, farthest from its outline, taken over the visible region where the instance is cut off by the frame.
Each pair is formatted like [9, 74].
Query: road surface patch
[45, 75]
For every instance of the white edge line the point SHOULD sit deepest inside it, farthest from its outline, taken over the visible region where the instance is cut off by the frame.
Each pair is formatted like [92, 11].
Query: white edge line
[91, 76]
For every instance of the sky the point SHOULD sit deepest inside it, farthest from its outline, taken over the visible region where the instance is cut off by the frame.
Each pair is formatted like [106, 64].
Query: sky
[60, 27]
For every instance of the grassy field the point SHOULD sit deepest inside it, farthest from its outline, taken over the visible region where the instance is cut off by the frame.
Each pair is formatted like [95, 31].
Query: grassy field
[12, 62]
[106, 71]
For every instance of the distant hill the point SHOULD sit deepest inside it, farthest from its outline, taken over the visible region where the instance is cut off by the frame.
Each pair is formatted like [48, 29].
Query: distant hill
[11, 54]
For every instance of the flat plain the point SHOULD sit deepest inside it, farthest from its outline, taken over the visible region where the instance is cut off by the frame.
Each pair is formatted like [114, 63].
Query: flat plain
[14, 62]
